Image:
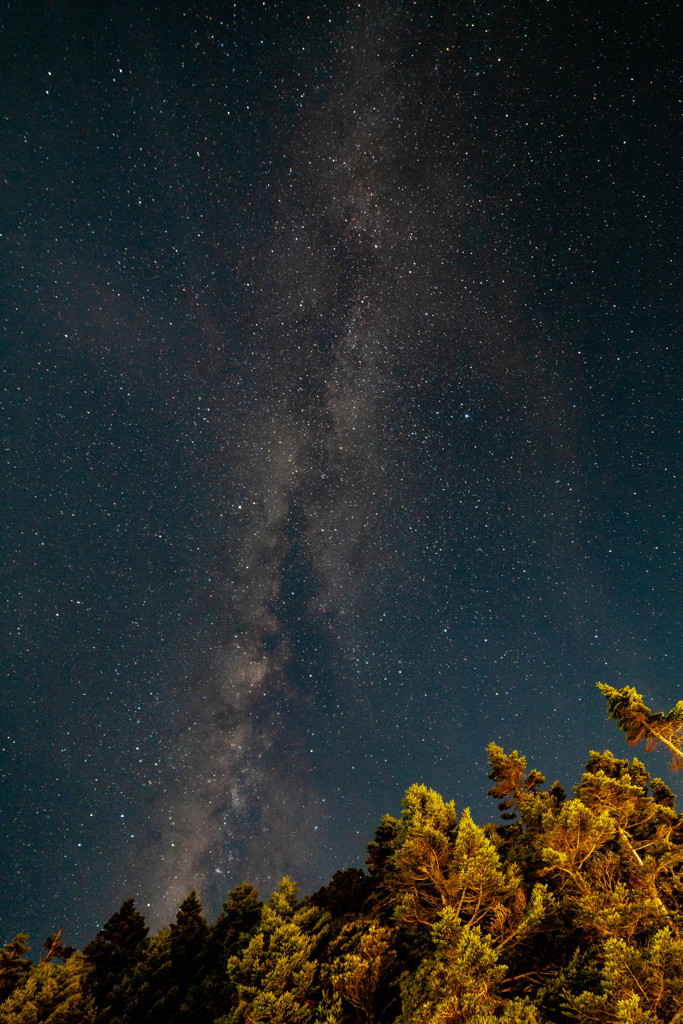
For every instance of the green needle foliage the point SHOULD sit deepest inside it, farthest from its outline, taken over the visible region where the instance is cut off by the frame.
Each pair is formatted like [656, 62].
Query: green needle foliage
[626, 707]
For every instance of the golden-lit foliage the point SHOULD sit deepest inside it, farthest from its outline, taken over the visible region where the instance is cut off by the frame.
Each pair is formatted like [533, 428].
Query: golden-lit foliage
[572, 911]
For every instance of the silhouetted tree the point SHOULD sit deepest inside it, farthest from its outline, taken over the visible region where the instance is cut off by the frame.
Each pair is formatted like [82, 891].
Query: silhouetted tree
[188, 936]
[212, 992]
[117, 948]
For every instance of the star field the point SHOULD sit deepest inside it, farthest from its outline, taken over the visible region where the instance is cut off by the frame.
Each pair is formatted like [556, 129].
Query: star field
[342, 426]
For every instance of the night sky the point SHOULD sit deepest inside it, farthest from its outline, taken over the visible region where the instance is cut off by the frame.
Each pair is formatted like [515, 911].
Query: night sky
[341, 425]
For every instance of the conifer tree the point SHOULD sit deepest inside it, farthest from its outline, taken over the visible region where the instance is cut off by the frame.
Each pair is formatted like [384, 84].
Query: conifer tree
[188, 936]
[613, 854]
[240, 914]
[573, 910]
[649, 832]
[380, 862]
[357, 975]
[116, 950]
[423, 850]
[461, 981]
[346, 893]
[55, 949]
[441, 863]
[14, 964]
[212, 992]
[513, 786]
[639, 984]
[120, 941]
[627, 708]
[275, 975]
[52, 994]
[146, 990]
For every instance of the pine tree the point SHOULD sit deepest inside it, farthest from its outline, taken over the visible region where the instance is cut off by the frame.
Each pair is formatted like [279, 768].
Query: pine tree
[54, 948]
[513, 786]
[120, 941]
[357, 975]
[52, 994]
[440, 863]
[212, 992]
[346, 893]
[240, 914]
[461, 981]
[613, 854]
[115, 951]
[423, 850]
[649, 832]
[634, 718]
[638, 984]
[586, 874]
[14, 964]
[275, 975]
[188, 936]
[146, 990]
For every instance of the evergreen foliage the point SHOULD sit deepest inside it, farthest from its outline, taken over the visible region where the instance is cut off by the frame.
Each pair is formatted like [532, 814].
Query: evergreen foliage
[571, 910]
[51, 994]
[14, 964]
[626, 706]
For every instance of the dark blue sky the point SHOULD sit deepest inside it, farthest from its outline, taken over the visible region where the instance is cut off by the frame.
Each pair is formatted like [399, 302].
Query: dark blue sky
[342, 425]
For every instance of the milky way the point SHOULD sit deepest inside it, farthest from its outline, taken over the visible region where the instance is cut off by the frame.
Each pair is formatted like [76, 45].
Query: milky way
[366, 278]
[341, 427]
[363, 229]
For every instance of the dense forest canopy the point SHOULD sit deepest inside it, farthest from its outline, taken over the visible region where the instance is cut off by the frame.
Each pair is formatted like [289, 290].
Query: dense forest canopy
[569, 910]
